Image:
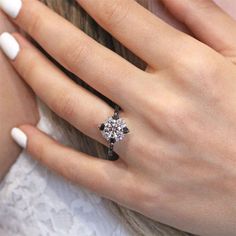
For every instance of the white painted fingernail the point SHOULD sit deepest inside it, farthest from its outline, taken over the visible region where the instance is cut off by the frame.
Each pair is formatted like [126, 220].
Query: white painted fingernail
[11, 7]
[9, 45]
[19, 136]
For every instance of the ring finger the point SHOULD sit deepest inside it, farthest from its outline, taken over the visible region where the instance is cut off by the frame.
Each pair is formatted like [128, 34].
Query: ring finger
[75, 104]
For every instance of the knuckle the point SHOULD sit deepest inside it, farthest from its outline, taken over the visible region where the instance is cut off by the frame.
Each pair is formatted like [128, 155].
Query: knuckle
[204, 4]
[183, 122]
[36, 20]
[199, 58]
[198, 65]
[34, 25]
[28, 67]
[201, 72]
[154, 108]
[65, 105]
[115, 11]
[204, 66]
[201, 6]
[75, 54]
[177, 118]
[206, 77]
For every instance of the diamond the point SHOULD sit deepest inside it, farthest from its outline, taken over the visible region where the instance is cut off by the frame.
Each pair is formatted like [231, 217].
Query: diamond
[114, 129]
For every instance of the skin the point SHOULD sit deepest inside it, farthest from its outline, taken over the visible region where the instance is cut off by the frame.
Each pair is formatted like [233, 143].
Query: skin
[17, 106]
[178, 164]
[157, 7]
[12, 116]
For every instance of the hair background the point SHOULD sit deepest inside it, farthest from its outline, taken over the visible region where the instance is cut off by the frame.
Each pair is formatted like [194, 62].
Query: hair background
[69, 9]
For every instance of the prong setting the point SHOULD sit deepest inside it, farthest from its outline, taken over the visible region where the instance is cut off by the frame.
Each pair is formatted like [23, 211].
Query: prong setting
[113, 129]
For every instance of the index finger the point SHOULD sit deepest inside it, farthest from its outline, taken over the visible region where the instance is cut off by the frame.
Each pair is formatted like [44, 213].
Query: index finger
[95, 64]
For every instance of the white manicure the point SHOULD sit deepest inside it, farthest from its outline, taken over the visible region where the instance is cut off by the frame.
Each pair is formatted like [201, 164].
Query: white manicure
[11, 7]
[19, 136]
[9, 45]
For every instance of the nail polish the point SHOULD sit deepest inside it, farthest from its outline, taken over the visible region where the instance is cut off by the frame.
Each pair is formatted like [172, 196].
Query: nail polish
[9, 45]
[19, 137]
[11, 7]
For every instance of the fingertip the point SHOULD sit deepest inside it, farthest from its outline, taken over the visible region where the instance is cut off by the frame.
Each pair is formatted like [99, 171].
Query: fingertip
[22, 134]
[9, 45]
[19, 136]
[11, 7]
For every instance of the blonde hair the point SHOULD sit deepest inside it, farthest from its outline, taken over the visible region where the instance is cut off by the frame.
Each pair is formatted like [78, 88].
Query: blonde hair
[69, 9]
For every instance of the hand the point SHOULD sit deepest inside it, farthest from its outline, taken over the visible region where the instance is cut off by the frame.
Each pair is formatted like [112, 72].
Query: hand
[17, 106]
[178, 164]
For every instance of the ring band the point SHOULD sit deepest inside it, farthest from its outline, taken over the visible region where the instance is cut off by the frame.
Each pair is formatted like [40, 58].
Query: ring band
[113, 130]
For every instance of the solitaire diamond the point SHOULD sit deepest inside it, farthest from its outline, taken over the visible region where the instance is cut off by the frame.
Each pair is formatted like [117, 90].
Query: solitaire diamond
[114, 129]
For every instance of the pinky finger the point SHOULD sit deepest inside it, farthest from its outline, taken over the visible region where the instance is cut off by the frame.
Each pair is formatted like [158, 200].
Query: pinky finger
[101, 176]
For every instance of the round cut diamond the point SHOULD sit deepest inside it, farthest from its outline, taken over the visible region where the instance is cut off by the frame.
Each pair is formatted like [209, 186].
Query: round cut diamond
[114, 130]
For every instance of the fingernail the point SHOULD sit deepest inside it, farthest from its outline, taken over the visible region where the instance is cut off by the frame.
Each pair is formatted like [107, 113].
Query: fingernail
[19, 136]
[9, 45]
[11, 7]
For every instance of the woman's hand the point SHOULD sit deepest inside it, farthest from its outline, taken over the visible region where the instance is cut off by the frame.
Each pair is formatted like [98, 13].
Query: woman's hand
[178, 164]
[17, 106]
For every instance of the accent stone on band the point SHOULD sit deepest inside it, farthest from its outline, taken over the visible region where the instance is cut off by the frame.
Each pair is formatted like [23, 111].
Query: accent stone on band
[102, 126]
[125, 130]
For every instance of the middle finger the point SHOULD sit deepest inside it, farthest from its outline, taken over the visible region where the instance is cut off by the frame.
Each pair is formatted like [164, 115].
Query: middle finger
[149, 37]
[97, 65]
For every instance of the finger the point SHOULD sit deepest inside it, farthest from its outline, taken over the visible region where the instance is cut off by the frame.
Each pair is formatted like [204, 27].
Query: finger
[208, 22]
[73, 103]
[96, 65]
[101, 176]
[138, 29]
